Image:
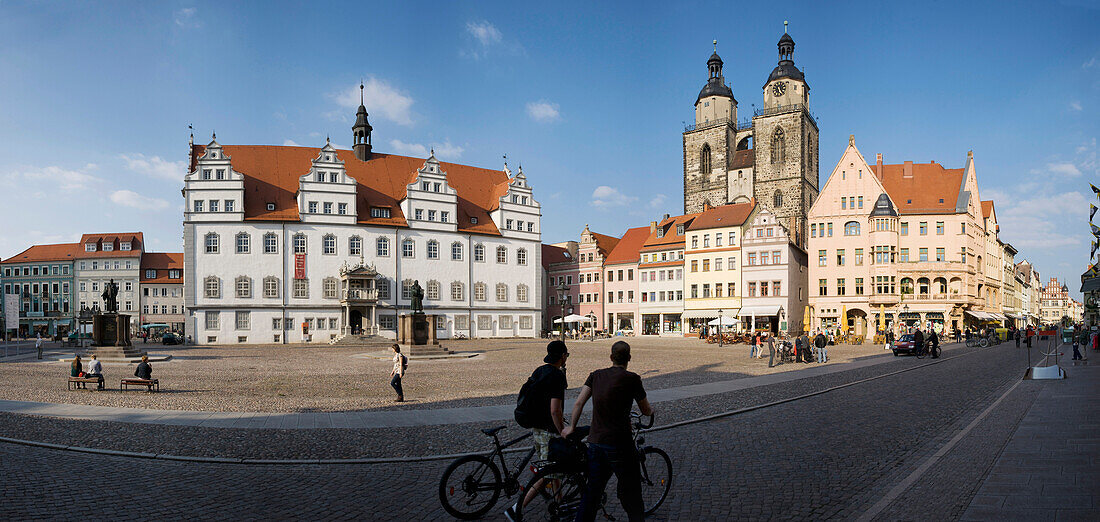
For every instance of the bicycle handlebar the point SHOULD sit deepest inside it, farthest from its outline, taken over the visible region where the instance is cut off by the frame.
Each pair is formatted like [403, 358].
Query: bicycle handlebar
[638, 420]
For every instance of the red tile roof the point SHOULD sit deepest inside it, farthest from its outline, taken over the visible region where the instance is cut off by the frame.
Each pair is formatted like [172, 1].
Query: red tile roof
[730, 215]
[555, 254]
[987, 208]
[605, 243]
[136, 239]
[626, 251]
[742, 159]
[36, 253]
[272, 173]
[931, 189]
[162, 262]
[670, 237]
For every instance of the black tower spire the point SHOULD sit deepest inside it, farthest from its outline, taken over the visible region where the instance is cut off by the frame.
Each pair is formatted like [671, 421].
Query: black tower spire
[361, 142]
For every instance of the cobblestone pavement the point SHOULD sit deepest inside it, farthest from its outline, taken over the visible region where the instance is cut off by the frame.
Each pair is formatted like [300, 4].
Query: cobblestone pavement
[288, 378]
[828, 456]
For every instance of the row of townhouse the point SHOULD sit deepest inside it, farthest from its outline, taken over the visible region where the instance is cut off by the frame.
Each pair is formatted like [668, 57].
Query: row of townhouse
[49, 285]
[1056, 304]
[912, 244]
[680, 273]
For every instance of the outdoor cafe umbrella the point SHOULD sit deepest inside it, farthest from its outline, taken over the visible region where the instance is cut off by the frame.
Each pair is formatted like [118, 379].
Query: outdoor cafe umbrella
[881, 317]
[844, 318]
[574, 318]
[725, 320]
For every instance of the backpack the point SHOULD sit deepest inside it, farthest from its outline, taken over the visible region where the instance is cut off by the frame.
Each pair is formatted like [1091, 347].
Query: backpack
[525, 401]
[404, 363]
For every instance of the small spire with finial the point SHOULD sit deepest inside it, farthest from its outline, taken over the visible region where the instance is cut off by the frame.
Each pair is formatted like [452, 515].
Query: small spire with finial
[327, 141]
[784, 27]
[192, 130]
[361, 87]
[214, 135]
[433, 151]
[715, 45]
[505, 161]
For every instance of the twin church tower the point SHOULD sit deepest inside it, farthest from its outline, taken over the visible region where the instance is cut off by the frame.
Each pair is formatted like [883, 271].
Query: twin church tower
[773, 157]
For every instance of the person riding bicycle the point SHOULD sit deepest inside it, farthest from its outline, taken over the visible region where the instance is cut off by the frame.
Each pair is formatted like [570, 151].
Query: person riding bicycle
[611, 447]
[918, 339]
[544, 409]
[934, 344]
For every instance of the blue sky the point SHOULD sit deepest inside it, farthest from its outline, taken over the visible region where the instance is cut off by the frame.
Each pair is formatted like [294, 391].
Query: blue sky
[95, 99]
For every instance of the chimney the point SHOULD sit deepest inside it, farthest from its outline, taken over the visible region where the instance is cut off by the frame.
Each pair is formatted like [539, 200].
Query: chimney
[878, 161]
[706, 206]
[652, 227]
[666, 216]
[907, 169]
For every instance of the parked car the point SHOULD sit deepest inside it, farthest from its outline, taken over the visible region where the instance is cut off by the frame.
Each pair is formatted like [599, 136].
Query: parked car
[904, 345]
[171, 338]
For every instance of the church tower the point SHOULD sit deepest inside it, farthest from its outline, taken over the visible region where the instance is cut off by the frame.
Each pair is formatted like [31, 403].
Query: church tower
[361, 131]
[709, 142]
[785, 144]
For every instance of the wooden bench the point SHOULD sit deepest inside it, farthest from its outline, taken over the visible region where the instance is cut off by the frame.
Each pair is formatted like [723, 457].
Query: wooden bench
[77, 383]
[152, 384]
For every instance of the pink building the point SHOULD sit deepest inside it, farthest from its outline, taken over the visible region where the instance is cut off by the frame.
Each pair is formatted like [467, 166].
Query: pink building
[559, 266]
[592, 252]
[621, 282]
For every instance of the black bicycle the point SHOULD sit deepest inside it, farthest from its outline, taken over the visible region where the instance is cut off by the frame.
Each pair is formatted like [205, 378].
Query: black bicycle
[928, 349]
[566, 482]
[472, 485]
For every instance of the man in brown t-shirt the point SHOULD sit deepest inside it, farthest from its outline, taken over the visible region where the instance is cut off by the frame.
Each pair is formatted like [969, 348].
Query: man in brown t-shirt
[611, 448]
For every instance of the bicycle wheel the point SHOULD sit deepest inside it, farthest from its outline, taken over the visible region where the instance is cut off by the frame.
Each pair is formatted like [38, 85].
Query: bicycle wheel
[470, 487]
[560, 497]
[656, 478]
[921, 352]
[983, 343]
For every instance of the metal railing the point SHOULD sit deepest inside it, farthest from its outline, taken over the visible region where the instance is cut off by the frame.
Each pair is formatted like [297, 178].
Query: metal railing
[782, 109]
[361, 294]
[740, 125]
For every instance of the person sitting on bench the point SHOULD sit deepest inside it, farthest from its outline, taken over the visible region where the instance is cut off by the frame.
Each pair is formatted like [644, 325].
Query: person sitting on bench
[144, 371]
[76, 369]
[95, 371]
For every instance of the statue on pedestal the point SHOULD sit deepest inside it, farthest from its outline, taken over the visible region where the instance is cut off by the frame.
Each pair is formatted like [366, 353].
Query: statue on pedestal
[417, 298]
[110, 297]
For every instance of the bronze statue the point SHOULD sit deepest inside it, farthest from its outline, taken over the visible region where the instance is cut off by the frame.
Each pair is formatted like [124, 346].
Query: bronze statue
[110, 297]
[417, 298]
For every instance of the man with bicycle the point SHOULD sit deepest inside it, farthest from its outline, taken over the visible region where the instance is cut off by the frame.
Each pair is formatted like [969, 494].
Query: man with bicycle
[611, 447]
[541, 408]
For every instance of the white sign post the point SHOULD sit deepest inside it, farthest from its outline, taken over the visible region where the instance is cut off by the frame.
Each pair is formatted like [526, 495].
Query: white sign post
[11, 313]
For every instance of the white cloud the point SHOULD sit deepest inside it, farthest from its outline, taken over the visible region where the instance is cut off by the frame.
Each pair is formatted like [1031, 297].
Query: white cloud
[381, 99]
[1091, 63]
[1075, 106]
[485, 32]
[129, 198]
[657, 201]
[290, 143]
[185, 17]
[543, 111]
[445, 151]
[605, 197]
[155, 166]
[1040, 218]
[1064, 169]
[65, 179]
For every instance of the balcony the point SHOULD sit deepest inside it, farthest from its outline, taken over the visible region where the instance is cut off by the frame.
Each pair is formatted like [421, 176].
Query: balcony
[360, 295]
[741, 125]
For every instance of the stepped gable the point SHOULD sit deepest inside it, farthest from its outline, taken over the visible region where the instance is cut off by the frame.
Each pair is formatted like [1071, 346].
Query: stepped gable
[271, 175]
[927, 188]
[626, 250]
[57, 252]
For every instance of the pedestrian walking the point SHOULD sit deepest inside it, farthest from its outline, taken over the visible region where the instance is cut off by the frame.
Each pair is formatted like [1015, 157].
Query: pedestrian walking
[38, 344]
[1019, 337]
[934, 344]
[821, 342]
[771, 351]
[1076, 349]
[400, 364]
[760, 345]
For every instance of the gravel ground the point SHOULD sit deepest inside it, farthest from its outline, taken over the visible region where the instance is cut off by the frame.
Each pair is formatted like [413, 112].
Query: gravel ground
[282, 378]
[389, 442]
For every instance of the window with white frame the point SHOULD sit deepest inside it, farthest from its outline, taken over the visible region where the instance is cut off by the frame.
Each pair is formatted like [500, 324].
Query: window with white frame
[212, 287]
[243, 243]
[299, 243]
[211, 243]
[526, 322]
[408, 248]
[355, 246]
[433, 249]
[432, 292]
[382, 247]
[444, 216]
[271, 286]
[406, 289]
[521, 256]
[342, 209]
[462, 322]
[277, 323]
[479, 253]
[271, 243]
[479, 291]
[502, 292]
[213, 205]
[484, 322]
[521, 293]
[383, 286]
[301, 288]
[229, 205]
[456, 251]
[502, 254]
[312, 207]
[327, 207]
[329, 287]
[328, 245]
[505, 322]
[457, 291]
[244, 287]
[244, 320]
[387, 322]
[211, 320]
[150, 273]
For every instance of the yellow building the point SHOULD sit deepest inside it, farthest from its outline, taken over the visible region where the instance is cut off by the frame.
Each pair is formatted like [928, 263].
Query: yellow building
[712, 264]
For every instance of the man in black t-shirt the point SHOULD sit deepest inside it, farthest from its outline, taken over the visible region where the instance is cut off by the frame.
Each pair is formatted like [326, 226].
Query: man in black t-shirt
[611, 448]
[546, 408]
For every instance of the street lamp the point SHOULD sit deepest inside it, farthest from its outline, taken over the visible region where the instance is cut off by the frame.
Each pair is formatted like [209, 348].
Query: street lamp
[563, 294]
[719, 327]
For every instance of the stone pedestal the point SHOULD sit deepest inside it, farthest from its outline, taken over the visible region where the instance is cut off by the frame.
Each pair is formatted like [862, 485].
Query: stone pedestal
[417, 331]
[111, 336]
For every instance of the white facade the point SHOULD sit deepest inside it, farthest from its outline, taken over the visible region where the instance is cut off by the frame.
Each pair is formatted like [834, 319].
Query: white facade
[240, 278]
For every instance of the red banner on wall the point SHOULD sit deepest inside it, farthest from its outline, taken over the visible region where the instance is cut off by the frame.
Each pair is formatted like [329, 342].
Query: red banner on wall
[299, 266]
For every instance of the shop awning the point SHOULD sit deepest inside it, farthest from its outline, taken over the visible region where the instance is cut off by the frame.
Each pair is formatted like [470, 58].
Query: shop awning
[703, 314]
[760, 311]
[981, 316]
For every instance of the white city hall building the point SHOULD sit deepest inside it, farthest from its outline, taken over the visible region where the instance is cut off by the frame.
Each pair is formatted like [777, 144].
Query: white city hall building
[300, 244]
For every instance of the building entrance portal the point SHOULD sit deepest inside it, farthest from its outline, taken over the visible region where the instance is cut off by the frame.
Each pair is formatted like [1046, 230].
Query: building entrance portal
[355, 321]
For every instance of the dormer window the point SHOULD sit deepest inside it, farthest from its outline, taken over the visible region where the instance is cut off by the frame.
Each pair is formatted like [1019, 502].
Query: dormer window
[424, 185]
[270, 207]
[437, 187]
[220, 174]
[515, 198]
[320, 178]
[151, 274]
[124, 246]
[660, 232]
[523, 200]
[679, 230]
[473, 220]
[89, 247]
[379, 212]
[107, 247]
[206, 173]
[333, 177]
